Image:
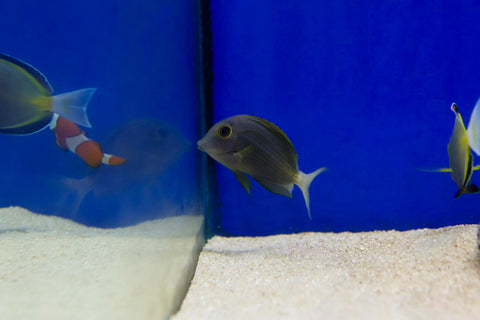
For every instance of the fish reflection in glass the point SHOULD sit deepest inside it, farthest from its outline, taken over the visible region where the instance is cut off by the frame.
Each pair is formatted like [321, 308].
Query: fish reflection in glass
[149, 146]
[251, 145]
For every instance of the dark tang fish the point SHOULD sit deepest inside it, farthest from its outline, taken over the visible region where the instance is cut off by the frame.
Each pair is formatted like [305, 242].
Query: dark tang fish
[27, 103]
[251, 145]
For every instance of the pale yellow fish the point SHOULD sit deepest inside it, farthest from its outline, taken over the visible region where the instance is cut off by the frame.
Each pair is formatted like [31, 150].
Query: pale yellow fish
[461, 160]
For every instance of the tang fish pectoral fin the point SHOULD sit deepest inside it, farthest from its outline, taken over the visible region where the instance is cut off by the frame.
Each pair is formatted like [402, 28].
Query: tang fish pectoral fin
[241, 154]
[244, 181]
[471, 188]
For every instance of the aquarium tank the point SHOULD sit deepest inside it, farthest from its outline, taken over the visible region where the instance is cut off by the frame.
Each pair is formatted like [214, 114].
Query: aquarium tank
[362, 90]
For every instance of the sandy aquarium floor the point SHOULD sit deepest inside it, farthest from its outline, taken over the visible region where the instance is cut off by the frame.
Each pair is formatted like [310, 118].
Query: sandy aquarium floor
[53, 268]
[418, 274]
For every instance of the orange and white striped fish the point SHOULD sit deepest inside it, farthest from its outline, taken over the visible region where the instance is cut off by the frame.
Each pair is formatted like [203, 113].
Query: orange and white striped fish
[70, 137]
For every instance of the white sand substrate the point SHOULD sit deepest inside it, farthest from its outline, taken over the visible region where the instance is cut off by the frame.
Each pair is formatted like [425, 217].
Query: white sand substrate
[418, 274]
[53, 268]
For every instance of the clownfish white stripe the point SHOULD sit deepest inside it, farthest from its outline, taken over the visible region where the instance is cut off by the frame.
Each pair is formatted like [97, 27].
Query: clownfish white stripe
[53, 123]
[106, 158]
[74, 142]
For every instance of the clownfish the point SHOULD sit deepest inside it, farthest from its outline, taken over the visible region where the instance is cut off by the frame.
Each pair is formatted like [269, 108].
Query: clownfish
[70, 137]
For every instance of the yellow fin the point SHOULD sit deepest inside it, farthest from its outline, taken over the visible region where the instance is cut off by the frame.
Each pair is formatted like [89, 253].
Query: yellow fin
[441, 169]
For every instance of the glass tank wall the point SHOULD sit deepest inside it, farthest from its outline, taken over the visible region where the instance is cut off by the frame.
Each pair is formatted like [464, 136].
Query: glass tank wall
[143, 59]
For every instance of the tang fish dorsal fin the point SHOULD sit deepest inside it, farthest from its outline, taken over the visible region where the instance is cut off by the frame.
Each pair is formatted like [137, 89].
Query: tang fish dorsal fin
[37, 75]
[274, 129]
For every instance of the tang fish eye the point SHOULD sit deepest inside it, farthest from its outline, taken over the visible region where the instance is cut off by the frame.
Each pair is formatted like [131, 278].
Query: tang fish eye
[224, 131]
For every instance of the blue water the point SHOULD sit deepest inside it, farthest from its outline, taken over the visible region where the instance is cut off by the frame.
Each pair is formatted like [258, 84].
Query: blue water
[362, 88]
[143, 58]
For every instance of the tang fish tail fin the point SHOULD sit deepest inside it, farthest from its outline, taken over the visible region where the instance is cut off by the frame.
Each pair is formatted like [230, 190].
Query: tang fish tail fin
[303, 182]
[73, 105]
[471, 188]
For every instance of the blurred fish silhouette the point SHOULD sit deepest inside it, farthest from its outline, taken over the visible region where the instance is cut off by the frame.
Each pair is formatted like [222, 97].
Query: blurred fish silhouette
[27, 103]
[251, 145]
[149, 146]
[71, 137]
[460, 157]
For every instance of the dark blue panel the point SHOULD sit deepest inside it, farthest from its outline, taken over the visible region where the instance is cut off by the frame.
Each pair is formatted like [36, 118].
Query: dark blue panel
[363, 89]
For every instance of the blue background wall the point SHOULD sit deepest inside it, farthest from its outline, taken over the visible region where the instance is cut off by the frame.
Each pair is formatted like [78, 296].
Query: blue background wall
[363, 89]
[143, 59]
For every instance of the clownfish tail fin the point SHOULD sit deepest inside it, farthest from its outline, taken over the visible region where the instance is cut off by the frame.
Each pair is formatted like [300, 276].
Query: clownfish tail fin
[112, 160]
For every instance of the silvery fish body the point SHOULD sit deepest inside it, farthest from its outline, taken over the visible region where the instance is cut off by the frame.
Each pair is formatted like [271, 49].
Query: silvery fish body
[251, 145]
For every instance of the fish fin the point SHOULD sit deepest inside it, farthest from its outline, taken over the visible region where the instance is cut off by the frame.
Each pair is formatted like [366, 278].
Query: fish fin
[284, 190]
[244, 181]
[72, 195]
[473, 130]
[477, 167]
[29, 128]
[73, 105]
[244, 152]
[271, 127]
[471, 188]
[438, 170]
[303, 182]
[29, 69]
[112, 160]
